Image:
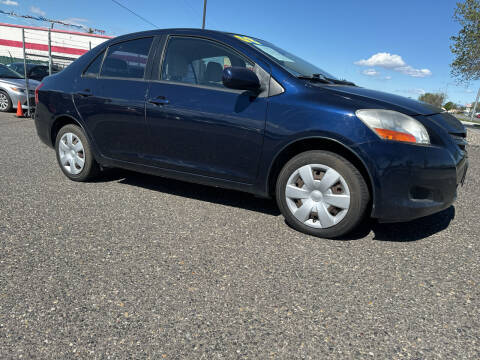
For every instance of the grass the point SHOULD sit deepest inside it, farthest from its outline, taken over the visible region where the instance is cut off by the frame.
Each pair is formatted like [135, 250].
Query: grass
[462, 117]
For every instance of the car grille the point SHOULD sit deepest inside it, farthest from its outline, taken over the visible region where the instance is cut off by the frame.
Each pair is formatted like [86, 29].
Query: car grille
[460, 139]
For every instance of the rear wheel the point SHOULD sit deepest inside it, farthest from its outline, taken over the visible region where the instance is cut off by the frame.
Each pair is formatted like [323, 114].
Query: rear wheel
[5, 102]
[322, 194]
[74, 154]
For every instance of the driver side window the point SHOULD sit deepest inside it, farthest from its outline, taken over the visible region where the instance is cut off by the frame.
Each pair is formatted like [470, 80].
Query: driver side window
[199, 62]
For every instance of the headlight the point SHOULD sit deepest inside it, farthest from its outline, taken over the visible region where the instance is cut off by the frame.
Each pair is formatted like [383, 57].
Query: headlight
[17, 89]
[393, 125]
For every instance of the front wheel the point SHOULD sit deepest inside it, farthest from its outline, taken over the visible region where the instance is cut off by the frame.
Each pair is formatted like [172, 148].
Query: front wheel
[321, 193]
[5, 102]
[74, 154]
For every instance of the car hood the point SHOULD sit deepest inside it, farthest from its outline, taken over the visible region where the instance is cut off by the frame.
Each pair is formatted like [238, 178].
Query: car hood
[377, 99]
[32, 84]
[384, 100]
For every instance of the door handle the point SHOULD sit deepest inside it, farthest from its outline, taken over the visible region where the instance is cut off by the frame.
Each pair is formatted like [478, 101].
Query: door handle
[159, 100]
[84, 93]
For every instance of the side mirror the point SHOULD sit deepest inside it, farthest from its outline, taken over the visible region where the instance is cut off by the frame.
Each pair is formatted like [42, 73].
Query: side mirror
[240, 78]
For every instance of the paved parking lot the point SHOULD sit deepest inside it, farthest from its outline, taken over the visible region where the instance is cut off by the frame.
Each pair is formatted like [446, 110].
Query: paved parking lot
[135, 266]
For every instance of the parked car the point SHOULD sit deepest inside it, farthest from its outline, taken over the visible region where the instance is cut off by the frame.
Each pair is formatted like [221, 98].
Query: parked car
[238, 112]
[34, 71]
[13, 89]
[477, 115]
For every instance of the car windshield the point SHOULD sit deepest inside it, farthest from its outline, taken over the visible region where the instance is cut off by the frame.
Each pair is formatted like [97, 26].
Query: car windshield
[293, 64]
[7, 73]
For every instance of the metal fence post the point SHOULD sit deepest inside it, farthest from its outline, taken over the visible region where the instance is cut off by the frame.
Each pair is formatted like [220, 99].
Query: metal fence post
[25, 73]
[49, 52]
[474, 109]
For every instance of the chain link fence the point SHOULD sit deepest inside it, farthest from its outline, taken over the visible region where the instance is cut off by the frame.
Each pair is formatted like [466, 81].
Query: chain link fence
[35, 53]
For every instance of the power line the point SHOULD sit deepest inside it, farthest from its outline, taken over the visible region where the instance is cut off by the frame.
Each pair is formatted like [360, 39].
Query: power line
[134, 13]
[190, 7]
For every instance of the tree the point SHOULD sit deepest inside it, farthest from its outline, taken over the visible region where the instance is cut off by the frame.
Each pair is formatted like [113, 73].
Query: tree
[435, 99]
[450, 106]
[466, 45]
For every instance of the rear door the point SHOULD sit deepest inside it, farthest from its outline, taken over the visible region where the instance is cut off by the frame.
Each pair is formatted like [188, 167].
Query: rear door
[199, 126]
[112, 101]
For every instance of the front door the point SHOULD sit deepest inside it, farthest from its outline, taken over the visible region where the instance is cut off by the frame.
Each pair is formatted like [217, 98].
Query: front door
[199, 126]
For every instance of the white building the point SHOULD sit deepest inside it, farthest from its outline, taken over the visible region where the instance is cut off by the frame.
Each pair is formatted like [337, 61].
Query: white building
[468, 108]
[66, 46]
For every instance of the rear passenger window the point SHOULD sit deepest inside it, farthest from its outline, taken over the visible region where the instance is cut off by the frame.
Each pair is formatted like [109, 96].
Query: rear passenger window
[127, 59]
[94, 67]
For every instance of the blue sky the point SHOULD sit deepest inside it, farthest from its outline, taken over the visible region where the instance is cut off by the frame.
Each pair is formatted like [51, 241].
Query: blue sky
[400, 47]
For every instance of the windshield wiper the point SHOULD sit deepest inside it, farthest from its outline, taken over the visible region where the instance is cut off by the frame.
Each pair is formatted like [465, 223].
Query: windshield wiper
[316, 77]
[326, 80]
[341, 82]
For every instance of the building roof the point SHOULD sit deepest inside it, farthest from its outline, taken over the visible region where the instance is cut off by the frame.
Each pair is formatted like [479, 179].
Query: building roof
[56, 30]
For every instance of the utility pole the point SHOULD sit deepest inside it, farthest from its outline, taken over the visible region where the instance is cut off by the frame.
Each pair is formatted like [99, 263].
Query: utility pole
[204, 13]
[474, 110]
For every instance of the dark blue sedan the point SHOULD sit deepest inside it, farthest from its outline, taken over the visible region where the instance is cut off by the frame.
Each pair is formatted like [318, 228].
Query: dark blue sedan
[234, 111]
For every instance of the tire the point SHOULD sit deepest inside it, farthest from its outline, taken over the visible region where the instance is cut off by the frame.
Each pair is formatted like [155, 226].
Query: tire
[66, 145]
[350, 193]
[4, 96]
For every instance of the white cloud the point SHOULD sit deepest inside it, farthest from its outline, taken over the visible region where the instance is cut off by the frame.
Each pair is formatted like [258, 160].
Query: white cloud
[376, 74]
[408, 70]
[37, 11]
[410, 93]
[370, 72]
[393, 62]
[385, 60]
[75, 21]
[413, 91]
[9, 2]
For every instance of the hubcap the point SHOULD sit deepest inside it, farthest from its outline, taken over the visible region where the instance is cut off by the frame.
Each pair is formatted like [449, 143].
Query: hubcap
[72, 153]
[317, 195]
[3, 102]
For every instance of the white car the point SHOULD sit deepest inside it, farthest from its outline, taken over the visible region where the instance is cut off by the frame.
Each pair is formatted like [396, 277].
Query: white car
[13, 89]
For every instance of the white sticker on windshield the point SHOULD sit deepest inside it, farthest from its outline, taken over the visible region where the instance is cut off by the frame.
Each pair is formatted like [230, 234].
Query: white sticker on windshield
[273, 53]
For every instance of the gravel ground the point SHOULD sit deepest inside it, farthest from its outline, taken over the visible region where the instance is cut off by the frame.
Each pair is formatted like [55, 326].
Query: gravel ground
[135, 266]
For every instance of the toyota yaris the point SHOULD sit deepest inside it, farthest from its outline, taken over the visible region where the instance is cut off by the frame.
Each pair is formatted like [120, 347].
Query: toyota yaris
[238, 112]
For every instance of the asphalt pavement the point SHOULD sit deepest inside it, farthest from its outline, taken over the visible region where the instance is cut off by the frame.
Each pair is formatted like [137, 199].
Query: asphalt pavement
[135, 266]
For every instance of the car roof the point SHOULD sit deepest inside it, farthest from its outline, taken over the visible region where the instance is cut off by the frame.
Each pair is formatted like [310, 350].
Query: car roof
[194, 31]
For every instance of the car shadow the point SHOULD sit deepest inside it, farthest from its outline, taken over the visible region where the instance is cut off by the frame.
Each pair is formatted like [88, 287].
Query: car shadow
[193, 191]
[397, 232]
[414, 230]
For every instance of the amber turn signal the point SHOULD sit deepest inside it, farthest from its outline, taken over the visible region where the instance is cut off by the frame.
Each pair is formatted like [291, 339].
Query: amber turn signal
[395, 135]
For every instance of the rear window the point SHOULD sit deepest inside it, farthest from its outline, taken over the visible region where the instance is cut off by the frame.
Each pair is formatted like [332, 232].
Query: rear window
[127, 59]
[94, 67]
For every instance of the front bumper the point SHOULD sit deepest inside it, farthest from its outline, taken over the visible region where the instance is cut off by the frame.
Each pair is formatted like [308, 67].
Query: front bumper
[22, 97]
[413, 181]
